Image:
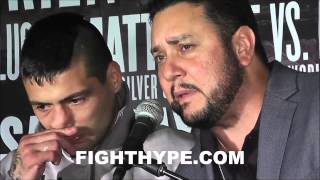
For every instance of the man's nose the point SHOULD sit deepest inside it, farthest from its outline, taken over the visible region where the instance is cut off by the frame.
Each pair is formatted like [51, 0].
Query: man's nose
[62, 117]
[172, 69]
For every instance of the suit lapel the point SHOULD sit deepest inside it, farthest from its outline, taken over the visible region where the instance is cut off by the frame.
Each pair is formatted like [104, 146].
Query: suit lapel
[274, 129]
[276, 118]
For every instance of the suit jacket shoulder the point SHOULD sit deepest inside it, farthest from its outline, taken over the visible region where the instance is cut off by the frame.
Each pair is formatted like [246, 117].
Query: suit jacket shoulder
[289, 126]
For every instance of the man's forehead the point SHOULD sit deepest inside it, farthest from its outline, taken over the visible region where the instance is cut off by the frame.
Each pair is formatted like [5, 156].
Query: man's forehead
[176, 22]
[61, 85]
[180, 11]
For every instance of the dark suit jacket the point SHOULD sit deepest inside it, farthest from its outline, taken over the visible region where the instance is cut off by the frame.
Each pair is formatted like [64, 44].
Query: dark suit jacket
[288, 146]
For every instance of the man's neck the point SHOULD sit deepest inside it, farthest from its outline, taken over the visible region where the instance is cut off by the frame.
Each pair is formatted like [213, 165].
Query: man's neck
[243, 113]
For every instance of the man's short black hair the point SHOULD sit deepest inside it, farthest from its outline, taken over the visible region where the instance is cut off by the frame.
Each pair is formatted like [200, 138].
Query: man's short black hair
[227, 15]
[53, 42]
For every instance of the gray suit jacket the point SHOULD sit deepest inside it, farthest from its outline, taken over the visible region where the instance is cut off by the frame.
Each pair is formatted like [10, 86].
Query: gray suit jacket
[288, 146]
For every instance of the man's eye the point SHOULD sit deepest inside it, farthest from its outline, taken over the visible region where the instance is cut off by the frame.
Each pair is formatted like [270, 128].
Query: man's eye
[42, 107]
[186, 47]
[77, 100]
[159, 58]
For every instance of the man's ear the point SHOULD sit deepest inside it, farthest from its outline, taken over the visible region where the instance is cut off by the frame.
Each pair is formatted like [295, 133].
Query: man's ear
[243, 43]
[114, 76]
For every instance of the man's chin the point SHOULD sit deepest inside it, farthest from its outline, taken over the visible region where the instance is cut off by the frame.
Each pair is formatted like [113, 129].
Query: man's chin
[187, 118]
[198, 123]
[194, 120]
[188, 110]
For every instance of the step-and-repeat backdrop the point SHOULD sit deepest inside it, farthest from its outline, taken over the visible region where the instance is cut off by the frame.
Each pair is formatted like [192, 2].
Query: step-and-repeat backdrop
[289, 30]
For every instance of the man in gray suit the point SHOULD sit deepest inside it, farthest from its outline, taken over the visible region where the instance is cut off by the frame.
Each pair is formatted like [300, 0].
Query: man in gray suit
[214, 72]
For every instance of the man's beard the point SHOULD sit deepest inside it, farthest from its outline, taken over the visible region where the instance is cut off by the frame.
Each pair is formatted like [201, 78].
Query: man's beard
[219, 99]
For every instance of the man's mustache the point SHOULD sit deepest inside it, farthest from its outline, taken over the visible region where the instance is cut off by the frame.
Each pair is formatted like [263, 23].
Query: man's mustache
[185, 86]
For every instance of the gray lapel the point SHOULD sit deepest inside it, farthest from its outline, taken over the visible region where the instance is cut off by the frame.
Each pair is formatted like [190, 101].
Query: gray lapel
[275, 122]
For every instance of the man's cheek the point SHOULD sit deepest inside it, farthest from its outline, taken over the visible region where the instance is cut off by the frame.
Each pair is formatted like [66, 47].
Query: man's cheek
[84, 115]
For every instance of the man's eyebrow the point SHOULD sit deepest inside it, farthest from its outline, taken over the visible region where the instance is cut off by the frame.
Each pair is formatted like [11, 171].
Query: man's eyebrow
[176, 39]
[84, 92]
[33, 103]
[172, 41]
